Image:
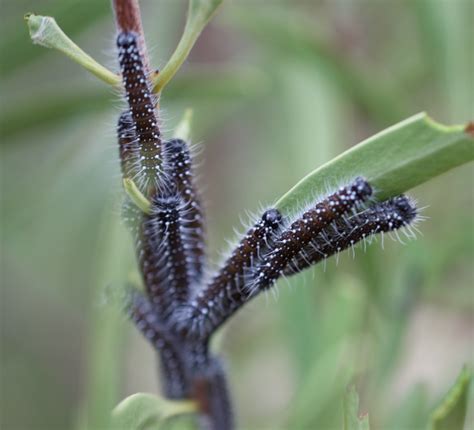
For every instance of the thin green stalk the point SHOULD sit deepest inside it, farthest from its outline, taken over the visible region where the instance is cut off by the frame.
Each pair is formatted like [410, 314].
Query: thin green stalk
[199, 14]
[102, 388]
[136, 195]
[45, 31]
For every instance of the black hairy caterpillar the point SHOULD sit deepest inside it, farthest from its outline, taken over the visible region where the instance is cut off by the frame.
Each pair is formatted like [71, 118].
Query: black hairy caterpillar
[170, 240]
[305, 228]
[141, 103]
[176, 384]
[128, 145]
[226, 291]
[168, 268]
[180, 173]
[258, 262]
[387, 216]
[162, 241]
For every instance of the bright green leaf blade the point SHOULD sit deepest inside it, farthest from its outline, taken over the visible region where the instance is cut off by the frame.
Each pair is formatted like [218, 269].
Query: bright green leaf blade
[353, 420]
[46, 32]
[451, 412]
[142, 411]
[199, 14]
[393, 161]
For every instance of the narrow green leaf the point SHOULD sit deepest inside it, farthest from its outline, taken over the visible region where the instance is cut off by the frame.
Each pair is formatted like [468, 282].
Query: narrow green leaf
[142, 411]
[330, 373]
[183, 129]
[393, 161]
[107, 325]
[451, 412]
[353, 420]
[199, 14]
[136, 195]
[17, 49]
[46, 32]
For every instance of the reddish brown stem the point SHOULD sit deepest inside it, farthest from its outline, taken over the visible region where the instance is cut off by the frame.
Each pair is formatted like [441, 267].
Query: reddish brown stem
[128, 18]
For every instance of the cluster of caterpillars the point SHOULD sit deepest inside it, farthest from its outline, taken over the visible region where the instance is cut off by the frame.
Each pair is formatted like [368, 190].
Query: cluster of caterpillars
[181, 306]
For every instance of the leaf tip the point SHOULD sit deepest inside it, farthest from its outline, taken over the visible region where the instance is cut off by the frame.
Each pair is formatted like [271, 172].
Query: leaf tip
[443, 127]
[39, 27]
[453, 407]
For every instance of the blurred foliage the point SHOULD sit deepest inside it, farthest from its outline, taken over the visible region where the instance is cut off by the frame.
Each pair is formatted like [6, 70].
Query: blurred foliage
[353, 419]
[142, 411]
[278, 88]
[451, 412]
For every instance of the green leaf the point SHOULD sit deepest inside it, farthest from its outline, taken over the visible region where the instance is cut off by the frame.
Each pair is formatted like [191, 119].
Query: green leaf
[412, 412]
[330, 373]
[199, 14]
[136, 196]
[107, 327]
[393, 161]
[353, 420]
[142, 411]
[183, 129]
[451, 412]
[18, 50]
[46, 32]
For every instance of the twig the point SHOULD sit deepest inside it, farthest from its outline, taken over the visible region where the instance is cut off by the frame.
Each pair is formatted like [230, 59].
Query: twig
[128, 18]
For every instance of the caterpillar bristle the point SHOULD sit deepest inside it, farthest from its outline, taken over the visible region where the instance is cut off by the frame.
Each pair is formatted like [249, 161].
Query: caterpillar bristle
[388, 216]
[128, 144]
[303, 229]
[172, 266]
[141, 103]
[225, 293]
[176, 380]
[180, 169]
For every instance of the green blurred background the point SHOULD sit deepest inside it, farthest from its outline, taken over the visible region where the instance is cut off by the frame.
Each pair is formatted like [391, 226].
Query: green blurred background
[277, 88]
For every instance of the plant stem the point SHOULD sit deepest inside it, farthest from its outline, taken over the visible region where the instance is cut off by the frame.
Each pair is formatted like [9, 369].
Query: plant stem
[128, 18]
[199, 14]
[214, 402]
